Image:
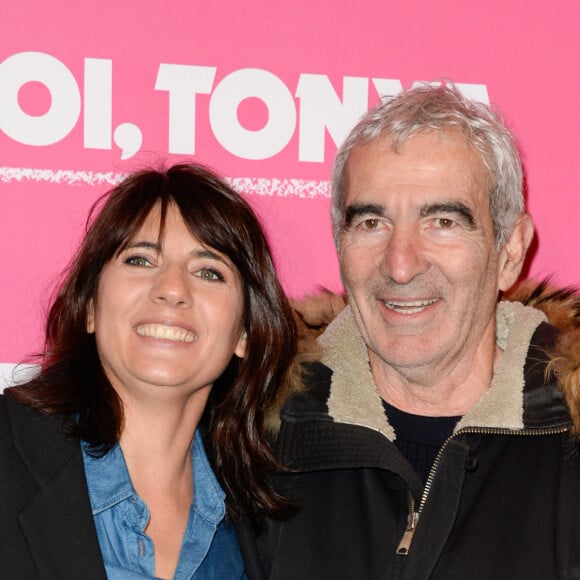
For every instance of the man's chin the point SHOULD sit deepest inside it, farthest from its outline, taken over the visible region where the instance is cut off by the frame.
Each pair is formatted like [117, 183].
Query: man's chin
[407, 351]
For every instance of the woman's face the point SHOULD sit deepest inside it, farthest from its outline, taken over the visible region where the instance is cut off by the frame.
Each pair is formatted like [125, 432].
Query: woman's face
[168, 316]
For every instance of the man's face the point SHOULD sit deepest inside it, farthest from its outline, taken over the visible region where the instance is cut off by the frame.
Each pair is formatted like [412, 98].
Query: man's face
[417, 255]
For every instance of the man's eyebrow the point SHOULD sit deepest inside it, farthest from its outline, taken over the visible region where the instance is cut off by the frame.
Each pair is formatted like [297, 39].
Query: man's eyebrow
[450, 207]
[358, 209]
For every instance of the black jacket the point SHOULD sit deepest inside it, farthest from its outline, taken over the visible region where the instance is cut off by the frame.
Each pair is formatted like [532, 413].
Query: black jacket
[502, 500]
[46, 524]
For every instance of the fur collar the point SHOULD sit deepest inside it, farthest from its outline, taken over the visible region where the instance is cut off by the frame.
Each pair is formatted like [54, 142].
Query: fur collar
[518, 315]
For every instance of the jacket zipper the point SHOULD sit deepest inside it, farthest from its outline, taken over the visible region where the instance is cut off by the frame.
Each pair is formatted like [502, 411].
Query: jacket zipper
[404, 546]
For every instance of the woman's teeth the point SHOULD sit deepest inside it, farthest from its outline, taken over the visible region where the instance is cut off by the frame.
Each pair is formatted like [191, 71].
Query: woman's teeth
[163, 332]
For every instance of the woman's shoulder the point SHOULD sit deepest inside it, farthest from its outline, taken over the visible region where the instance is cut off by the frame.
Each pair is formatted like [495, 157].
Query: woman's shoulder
[4, 424]
[22, 422]
[12, 414]
[9, 407]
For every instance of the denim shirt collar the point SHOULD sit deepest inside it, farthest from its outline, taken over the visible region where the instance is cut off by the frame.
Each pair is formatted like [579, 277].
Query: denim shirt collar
[109, 482]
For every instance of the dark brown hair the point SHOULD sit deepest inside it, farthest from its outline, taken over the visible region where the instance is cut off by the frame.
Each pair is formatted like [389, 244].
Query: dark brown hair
[72, 382]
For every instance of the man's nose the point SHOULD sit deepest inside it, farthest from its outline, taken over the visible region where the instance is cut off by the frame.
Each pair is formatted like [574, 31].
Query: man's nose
[404, 256]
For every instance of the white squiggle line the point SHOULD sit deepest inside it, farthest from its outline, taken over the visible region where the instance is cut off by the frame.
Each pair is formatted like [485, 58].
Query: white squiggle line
[66, 176]
[301, 188]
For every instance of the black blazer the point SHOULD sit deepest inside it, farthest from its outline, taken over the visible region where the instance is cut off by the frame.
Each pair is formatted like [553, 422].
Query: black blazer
[46, 525]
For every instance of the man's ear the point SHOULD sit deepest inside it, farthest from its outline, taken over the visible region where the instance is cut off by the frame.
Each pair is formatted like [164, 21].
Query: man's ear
[513, 253]
[91, 317]
[242, 345]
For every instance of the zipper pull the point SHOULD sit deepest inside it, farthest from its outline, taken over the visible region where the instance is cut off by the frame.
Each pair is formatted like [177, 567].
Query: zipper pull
[405, 543]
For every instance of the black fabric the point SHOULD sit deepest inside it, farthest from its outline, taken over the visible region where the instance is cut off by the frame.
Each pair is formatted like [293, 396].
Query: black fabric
[46, 524]
[493, 494]
[419, 438]
[502, 505]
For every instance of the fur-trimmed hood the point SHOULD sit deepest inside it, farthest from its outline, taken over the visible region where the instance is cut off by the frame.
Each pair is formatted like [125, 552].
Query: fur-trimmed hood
[560, 307]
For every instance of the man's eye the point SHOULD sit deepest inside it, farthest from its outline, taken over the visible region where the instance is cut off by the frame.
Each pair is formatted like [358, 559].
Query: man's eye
[209, 274]
[137, 261]
[371, 224]
[444, 223]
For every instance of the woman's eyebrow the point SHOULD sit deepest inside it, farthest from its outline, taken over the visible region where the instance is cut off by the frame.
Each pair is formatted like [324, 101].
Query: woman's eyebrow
[144, 244]
[197, 253]
[205, 253]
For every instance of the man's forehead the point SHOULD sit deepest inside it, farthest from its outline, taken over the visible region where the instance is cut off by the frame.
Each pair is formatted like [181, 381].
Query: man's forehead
[386, 142]
[444, 151]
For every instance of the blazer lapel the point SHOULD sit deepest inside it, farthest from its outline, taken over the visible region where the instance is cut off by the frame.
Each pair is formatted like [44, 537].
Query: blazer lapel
[57, 523]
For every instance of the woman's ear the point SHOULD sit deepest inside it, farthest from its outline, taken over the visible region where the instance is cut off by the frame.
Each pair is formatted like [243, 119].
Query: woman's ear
[513, 253]
[91, 318]
[241, 346]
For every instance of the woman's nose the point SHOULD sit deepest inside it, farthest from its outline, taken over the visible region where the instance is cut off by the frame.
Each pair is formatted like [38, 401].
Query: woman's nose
[171, 286]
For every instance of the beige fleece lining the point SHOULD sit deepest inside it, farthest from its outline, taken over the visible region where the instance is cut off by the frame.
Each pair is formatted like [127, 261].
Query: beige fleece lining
[502, 405]
[354, 399]
[353, 396]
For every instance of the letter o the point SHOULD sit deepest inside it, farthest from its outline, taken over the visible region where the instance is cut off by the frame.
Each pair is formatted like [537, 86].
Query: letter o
[223, 114]
[64, 111]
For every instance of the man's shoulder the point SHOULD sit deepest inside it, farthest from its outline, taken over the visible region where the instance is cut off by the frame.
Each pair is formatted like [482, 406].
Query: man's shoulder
[558, 342]
[314, 395]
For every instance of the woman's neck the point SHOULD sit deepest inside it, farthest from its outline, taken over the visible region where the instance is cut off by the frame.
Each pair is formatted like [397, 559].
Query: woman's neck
[156, 441]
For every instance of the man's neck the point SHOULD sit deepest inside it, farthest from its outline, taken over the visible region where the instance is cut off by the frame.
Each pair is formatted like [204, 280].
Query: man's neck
[432, 391]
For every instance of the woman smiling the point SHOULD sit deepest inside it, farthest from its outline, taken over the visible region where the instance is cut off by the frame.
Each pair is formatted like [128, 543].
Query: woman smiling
[165, 345]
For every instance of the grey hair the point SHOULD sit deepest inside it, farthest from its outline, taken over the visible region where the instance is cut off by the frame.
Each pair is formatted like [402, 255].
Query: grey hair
[441, 108]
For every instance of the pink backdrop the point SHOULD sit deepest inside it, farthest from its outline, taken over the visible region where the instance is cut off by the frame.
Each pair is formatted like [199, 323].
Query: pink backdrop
[263, 92]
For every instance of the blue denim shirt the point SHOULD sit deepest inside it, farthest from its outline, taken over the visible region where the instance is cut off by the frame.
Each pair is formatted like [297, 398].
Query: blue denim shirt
[209, 548]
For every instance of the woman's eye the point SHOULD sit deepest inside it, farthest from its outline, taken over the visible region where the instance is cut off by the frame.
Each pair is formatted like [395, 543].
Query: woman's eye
[209, 274]
[137, 261]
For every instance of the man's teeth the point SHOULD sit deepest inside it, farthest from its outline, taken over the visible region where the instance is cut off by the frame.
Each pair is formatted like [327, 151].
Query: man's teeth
[410, 307]
[163, 332]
